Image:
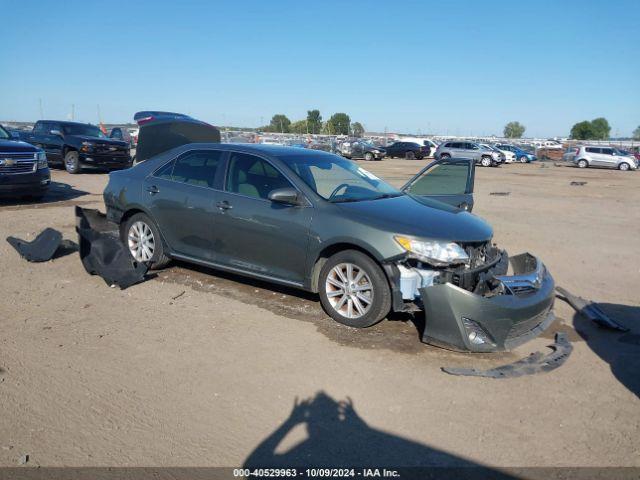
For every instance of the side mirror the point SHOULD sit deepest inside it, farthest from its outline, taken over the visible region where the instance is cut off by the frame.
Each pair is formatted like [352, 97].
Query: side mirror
[56, 132]
[287, 196]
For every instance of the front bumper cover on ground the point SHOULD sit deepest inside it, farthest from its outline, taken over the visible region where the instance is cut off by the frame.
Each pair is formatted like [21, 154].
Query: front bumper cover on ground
[505, 320]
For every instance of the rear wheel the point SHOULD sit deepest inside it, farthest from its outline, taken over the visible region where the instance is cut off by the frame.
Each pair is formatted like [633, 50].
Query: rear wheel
[583, 163]
[354, 290]
[72, 162]
[142, 239]
[410, 156]
[486, 161]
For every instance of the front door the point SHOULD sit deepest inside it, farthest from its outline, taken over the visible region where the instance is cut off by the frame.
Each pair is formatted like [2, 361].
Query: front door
[182, 201]
[254, 234]
[449, 181]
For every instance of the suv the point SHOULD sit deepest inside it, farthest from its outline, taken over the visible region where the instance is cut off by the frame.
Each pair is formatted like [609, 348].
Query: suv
[23, 168]
[75, 145]
[484, 156]
[608, 157]
[408, 150]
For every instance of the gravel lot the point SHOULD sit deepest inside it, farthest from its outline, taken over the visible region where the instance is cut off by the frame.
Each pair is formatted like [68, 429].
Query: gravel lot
[152, 376]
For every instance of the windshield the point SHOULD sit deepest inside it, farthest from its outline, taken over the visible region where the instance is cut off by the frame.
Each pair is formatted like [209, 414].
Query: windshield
[85, 130]
[337, 179]
[4, 135]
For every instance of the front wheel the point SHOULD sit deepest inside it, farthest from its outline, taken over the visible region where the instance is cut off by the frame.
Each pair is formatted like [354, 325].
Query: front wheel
[368, 156]
[445, 156]
[354, 290]
[142, 239]
[72, 162]
[486, 161]
[624, 166]
[523, 159]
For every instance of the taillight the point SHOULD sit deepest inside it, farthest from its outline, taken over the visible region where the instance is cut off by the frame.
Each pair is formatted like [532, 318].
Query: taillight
[577, 150]
[142, 121]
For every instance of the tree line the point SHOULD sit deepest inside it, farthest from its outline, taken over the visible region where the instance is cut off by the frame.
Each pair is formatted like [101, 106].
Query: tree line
[338, 124]
[596, 129]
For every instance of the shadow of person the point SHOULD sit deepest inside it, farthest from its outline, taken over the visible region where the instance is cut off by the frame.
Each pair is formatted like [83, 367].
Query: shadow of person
[338, 437]
[620, 350]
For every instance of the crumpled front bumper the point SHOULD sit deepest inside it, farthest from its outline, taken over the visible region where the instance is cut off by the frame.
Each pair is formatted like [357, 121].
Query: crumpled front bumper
[508, 319]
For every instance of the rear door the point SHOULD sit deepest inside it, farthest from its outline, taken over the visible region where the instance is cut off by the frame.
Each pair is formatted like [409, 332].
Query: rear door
[449, 181]
[182, 197]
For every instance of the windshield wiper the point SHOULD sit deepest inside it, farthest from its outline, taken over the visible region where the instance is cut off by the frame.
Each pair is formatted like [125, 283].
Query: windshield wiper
[387, 195]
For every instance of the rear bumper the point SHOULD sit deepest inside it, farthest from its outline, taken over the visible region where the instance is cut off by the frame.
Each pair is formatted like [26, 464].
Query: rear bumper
[458, 319]
[25, 183]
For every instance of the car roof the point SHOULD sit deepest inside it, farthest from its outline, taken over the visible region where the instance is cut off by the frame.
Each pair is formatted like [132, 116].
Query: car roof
[64, 122]
[259, 148]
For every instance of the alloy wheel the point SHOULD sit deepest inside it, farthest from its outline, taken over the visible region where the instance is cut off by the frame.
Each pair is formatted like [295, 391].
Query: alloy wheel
[349, 290]
[141, 242]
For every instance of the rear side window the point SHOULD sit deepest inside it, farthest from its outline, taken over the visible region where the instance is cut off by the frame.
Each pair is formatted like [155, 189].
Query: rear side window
[592, 150]
[197, 168]
[165, 171]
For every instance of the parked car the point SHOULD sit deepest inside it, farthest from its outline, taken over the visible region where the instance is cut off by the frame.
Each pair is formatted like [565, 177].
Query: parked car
[520, 154]
[430, 145]
[361, 149]
[501, 155]
[316, 221]
[408, 150]
[484, 156]
[23, 168]
[570, 154]
[119, 133]
[608, 157]
[77, 145]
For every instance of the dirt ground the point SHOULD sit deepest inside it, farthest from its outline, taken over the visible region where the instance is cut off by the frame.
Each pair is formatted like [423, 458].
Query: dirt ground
[198, 368]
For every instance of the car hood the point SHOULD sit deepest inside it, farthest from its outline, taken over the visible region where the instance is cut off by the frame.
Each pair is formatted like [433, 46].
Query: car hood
[419, 217]
[100, 140]
[15, 146]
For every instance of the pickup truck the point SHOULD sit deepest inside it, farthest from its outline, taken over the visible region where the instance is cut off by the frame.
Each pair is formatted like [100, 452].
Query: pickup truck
[77, 145]
[23, 168]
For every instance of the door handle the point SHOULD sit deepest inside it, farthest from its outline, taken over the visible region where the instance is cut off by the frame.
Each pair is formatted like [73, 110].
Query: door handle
[152, 189]
[224, 205]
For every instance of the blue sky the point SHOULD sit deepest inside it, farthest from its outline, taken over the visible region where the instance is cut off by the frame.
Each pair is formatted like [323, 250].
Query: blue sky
[448, 67]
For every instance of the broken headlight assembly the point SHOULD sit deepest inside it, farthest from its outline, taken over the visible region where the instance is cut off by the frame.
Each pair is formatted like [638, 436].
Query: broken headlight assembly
[434, 252]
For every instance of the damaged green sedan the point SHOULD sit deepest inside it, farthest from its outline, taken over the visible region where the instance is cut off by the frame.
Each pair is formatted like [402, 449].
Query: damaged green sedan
[319, 222]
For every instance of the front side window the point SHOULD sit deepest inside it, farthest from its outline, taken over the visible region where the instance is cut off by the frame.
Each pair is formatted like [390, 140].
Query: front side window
[197, 168]
[337, 179]
[607, 151]
[84, 130]
[253, 177]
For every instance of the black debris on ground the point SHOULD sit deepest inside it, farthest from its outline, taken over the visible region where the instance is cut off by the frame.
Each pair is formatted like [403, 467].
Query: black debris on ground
[40, 249]
[535, 363]
[102, 253]
[577, 184]
[500, 194]
[589, 310]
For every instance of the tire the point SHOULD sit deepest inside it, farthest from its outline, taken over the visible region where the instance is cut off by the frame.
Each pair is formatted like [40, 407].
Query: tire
[351, 308]
[410, 155]
[583, 163]
[368, 156]
[141, 223]
[486, 161]
[444, 156]
[524, 159]
[624, 166]
[72, 162]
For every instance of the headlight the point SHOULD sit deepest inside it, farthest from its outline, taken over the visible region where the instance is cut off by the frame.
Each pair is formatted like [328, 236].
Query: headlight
[436, 253]
[86, 147]
[41, 157]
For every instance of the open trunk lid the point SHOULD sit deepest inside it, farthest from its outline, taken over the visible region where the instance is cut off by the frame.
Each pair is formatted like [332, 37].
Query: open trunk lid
[162, 131]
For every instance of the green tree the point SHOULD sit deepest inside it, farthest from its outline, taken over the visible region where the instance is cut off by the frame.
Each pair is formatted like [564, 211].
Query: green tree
[339, 124]
[279, 123]
[636, 134]
[357, 129]
[299, 127]
[514, 130]
[583, 131]
[314, 121]
[601, 128]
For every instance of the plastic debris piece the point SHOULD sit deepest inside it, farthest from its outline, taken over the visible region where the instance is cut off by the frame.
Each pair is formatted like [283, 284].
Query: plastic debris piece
[589, 310]
[40, 249]
[103, 254]
[535, 363]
